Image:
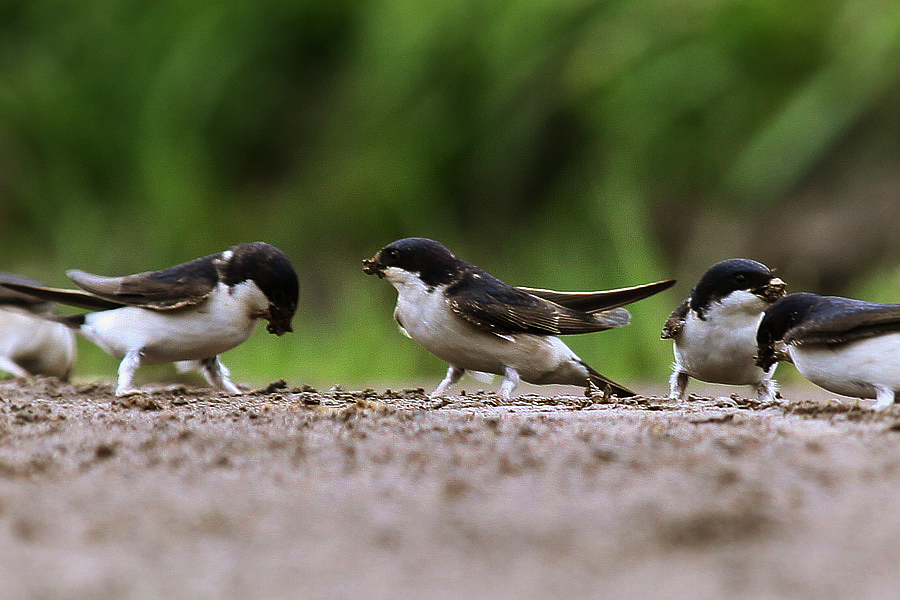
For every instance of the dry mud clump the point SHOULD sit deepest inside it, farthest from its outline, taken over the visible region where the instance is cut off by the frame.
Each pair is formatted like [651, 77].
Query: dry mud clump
[290, 492]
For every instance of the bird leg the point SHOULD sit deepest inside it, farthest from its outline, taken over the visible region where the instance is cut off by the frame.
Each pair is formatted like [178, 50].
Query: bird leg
[454, 374]
[510, 382]
[766, 390]
[7, 364]
[218, 375]
[884, 398]
[127, 367]
[678, 385]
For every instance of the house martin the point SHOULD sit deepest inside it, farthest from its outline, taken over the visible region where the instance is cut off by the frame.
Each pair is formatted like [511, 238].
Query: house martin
[190, 312]
[29, 343]
[846, 346]
[715, 328]
[476, 322]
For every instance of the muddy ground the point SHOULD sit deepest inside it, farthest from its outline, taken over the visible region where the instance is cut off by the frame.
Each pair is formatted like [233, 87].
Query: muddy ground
[292, 493]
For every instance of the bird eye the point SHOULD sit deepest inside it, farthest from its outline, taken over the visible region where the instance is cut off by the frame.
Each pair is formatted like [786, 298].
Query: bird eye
[740, 278]
[393, 253]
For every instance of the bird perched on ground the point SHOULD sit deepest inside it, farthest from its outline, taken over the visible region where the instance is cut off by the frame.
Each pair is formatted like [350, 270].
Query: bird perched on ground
[190, 312]
[29, 343]
[715, 328]
[849, 347]
[476, 322]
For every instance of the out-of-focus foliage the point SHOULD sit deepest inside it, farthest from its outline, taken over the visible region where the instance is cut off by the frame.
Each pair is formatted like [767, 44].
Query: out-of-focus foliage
[580, 144]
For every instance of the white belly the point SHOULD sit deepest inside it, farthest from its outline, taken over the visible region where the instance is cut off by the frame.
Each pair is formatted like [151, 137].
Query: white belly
[220, 324]
[40, 347]
[852, 369]
[720, 349]
[427, 318]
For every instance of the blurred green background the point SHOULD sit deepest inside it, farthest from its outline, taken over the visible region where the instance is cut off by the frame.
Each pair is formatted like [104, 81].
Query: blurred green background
[574, 145]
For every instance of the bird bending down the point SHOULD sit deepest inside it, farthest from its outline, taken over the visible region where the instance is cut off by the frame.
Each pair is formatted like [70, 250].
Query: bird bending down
[29, 343]
[846, 346]
[190, 312]
[476, 322]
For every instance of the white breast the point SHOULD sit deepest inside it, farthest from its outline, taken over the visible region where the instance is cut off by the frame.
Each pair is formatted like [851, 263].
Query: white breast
[225, 320]
[425, 315]
[41, 347]
[722, 348]
[852, 369]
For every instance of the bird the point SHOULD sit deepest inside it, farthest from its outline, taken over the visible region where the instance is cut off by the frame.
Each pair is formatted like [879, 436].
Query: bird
[188, 314]
[714, 329]
[846, 346]
[29, 344]
[476, 322]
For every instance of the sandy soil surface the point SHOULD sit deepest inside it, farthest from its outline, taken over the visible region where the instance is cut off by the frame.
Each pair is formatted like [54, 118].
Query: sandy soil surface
[293, 493]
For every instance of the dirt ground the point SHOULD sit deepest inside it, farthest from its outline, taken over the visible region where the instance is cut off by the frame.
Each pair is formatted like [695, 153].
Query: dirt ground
[292, 493]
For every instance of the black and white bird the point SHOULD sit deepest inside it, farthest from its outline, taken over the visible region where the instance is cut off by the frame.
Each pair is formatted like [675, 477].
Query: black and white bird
[849, 347]
[476, 322]
[190, 312]
[29, 343]
[715, 328]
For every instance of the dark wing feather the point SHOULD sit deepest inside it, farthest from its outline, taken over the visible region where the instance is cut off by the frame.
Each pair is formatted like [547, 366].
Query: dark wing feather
[70, 297]
[499, 308]
[601, 382]
[600, 300]
[183, 285]
[675, 322]
[856, 322]
[10, 297]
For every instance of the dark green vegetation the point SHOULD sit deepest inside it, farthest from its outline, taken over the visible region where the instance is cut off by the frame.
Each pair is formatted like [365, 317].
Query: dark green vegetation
[571, 145]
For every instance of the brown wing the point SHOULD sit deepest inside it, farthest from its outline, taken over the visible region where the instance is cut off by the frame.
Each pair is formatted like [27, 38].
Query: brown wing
[70, 297]
[601, 382]
[862, 321]
[675, 322]
[600, 300]
[29, 302]
[183, 285]
[494, 306]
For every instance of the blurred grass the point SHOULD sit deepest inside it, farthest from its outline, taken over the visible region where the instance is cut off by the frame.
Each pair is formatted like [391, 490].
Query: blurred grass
[572, 145]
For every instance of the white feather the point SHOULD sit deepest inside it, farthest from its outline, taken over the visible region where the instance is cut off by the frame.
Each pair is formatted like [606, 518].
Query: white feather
[855, 369]
[225, 320]
[722, 348]
[426, 316]
[44, 347]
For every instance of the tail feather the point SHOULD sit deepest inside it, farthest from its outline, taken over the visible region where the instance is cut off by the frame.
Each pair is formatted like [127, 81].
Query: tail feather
[77, 298]
[601, 300]
[71, 321]
[603, 383]
[616, 317]
[10, 297]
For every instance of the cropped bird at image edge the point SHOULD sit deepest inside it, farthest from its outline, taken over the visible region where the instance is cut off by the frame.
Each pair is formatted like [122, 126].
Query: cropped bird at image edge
[189, 313]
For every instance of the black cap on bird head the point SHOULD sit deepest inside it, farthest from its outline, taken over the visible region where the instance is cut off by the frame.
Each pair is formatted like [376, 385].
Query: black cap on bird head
[272, 272]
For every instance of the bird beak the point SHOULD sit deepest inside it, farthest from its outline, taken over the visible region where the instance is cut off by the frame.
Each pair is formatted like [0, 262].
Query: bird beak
[279, 328]
[279, 321]
[774, 352]
[772, 291]
[372, 266]
[763, 359]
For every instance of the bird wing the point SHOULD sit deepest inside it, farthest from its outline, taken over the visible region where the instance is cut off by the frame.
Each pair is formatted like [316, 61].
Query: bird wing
[492, 305]
[76, 298]
[859, 321]
[29, 302]
[675, 322]
[183, 285]
[600, 300]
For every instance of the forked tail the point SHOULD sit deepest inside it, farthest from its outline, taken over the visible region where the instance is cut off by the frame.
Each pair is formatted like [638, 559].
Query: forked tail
[603, 383]
[602, 300]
